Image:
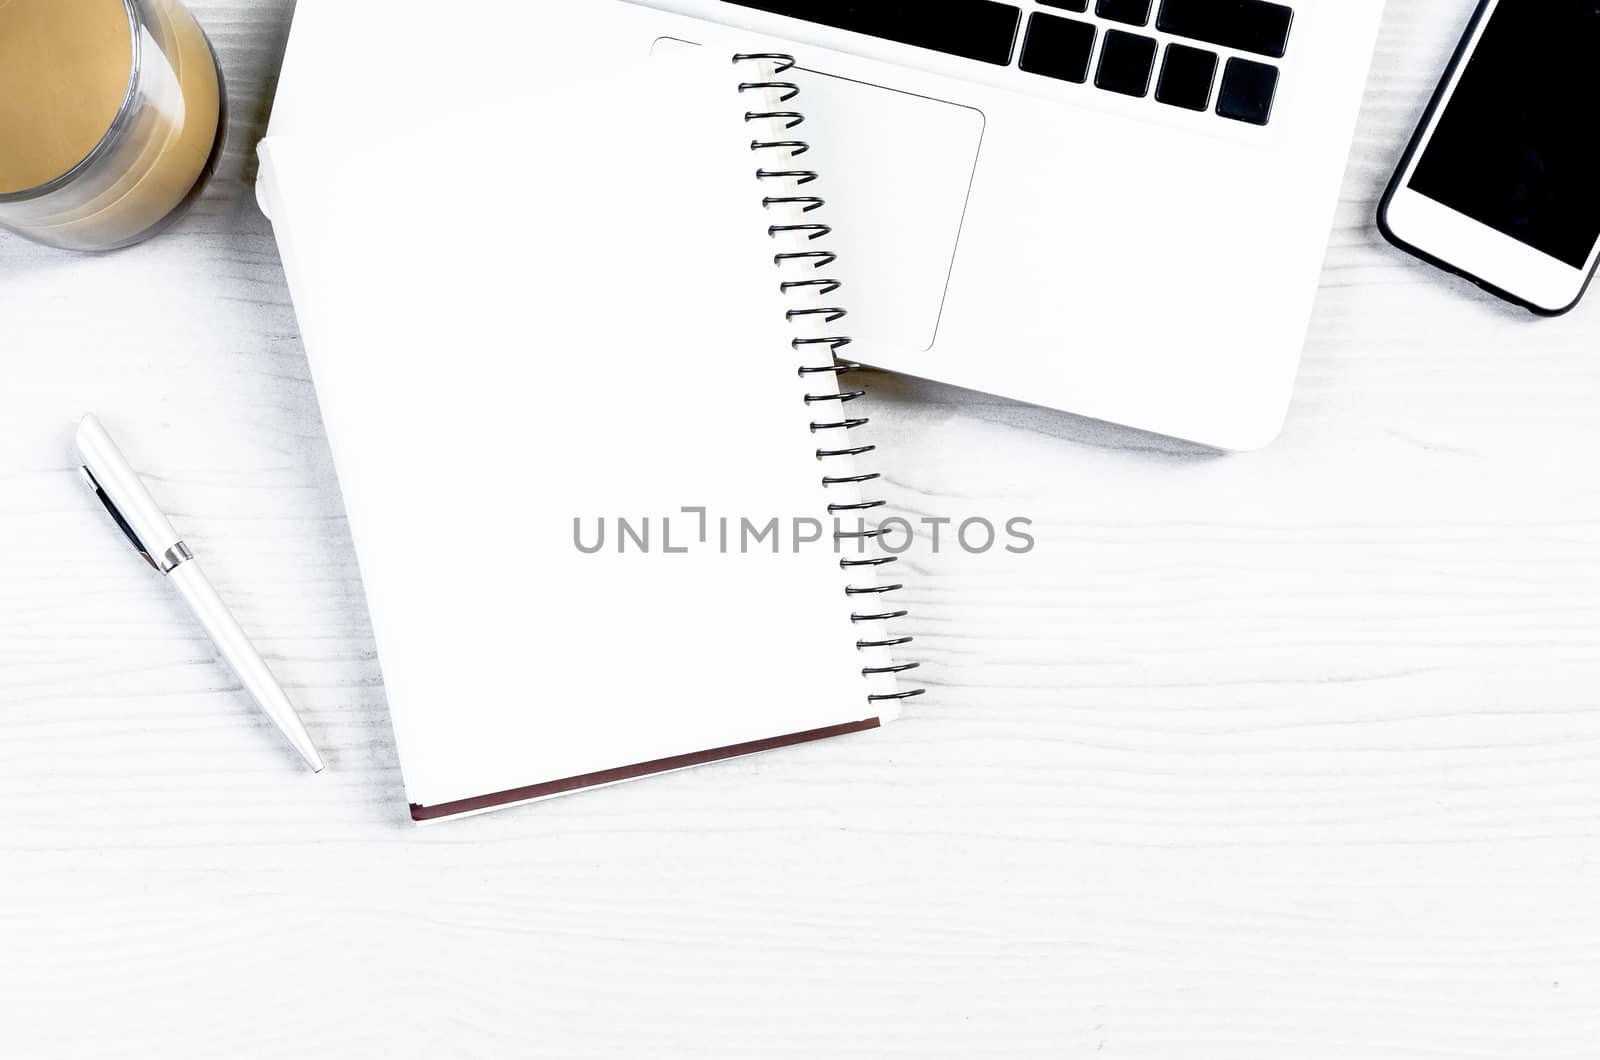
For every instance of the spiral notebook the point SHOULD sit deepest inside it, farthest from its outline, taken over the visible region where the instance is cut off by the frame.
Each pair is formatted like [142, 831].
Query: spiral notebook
[604, 484]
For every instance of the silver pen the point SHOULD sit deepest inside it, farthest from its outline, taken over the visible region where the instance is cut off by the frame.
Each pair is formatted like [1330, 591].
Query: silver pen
[118, 486]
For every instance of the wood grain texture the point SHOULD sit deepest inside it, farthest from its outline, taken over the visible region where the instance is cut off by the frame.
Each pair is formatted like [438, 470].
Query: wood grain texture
[1286, 755]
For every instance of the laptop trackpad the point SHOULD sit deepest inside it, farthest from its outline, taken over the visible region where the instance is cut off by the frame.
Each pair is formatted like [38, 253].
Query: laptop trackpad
[896, 170]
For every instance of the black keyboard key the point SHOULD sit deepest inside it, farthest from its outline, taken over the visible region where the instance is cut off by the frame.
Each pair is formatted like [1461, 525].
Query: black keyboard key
[1067, 5]
[1126, 60]
[972, 29]
[1186, 77]
[1247, 91]
[1133, 12]
[1058, 47]
[1248, 25]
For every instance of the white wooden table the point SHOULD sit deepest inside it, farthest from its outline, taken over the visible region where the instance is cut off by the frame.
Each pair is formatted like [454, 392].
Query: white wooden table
[1284, 756]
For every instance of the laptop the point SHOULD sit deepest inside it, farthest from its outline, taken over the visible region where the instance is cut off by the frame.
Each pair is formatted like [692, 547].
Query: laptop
[1117, 208]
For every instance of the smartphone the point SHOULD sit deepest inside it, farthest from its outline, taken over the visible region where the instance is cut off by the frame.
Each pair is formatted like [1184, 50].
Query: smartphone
[1501, 183]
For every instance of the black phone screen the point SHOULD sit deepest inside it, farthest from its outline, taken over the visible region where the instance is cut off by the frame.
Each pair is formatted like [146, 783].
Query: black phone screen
[1516, 147]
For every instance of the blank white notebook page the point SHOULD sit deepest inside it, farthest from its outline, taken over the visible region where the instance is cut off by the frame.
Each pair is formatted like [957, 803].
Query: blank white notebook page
[576, 319]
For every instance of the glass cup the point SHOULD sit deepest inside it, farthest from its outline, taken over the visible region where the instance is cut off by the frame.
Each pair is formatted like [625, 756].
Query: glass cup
[111, 119]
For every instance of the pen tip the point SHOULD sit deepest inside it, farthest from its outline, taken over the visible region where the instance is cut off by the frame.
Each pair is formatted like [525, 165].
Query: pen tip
[310, 755]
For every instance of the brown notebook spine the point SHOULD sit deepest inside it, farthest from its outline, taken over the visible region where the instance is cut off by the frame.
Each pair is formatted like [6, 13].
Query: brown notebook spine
[479, 803]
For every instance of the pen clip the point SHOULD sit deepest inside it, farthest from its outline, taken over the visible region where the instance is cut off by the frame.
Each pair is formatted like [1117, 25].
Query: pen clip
[117, 517]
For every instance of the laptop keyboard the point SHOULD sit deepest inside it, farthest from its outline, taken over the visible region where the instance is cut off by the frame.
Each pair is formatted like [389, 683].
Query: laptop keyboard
[1129, 60]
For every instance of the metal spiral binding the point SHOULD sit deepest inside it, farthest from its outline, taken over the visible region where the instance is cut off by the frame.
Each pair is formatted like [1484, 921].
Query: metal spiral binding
[787, 149]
